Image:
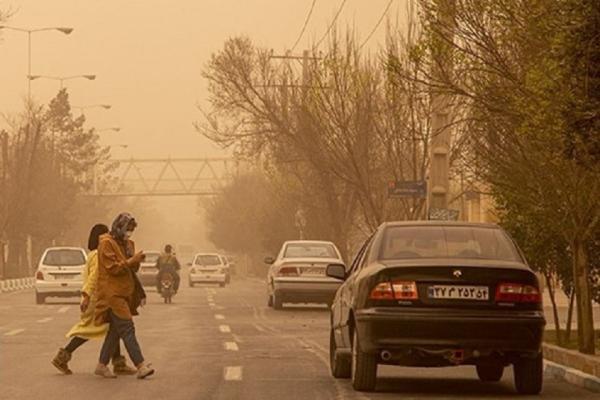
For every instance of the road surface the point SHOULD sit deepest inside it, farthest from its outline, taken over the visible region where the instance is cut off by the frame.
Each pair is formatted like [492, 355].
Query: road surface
[214, 343]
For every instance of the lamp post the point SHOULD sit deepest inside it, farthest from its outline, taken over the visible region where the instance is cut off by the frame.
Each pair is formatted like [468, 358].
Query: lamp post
[29, 32]
[61, 79]
[88, 106]
[114, 129]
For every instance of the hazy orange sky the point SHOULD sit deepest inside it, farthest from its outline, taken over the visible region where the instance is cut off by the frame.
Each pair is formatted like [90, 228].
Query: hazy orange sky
[148, 56]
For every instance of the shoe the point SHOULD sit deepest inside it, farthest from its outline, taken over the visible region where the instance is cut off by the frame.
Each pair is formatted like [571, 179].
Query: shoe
[144, 370]
[105, 372]
[120, 366]
[61, 361]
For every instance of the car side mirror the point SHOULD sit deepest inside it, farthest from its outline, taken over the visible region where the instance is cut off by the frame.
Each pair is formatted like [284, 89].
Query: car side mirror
[269, 260]
[336, 271]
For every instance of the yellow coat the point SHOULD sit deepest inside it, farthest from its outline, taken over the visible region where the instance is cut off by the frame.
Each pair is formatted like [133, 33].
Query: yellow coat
[86, 328]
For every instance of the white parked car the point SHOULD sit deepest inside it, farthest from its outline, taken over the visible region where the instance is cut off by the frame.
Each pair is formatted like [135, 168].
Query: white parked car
[208, 268]
[297, 275]
[59, 273]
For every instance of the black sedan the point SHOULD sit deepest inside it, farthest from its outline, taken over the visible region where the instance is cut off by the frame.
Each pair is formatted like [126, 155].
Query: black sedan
[437, 294]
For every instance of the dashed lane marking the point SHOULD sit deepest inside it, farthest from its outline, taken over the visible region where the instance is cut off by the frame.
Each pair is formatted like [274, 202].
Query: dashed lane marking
[14, 332]
[64, 309]
[233, 373]
[47, 319]
[225, 328]
[231, 346]
[219, 316]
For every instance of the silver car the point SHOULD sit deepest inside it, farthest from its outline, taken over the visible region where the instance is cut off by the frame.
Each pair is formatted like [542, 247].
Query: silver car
[297, 275]
[59, 273]
[148, 271]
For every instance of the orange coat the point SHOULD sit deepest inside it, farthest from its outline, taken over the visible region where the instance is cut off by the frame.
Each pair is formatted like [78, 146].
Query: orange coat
[116, 281]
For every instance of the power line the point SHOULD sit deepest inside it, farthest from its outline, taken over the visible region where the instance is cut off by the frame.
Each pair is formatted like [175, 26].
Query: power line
[387, 8]
[332, 23]
[312, 7]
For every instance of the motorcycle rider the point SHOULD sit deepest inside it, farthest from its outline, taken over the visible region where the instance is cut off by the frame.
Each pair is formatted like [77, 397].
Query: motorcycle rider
[167, 263]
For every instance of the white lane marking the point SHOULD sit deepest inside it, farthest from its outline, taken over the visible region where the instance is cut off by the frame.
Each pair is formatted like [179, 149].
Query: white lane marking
[225, 328]
[219, 316]
[233, 373]
[14, 332]
[231, 346]
[47, 319]
[211, 304]
[64, 309]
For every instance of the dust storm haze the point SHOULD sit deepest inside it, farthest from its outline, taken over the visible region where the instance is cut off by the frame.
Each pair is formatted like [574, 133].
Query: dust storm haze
[147, 57]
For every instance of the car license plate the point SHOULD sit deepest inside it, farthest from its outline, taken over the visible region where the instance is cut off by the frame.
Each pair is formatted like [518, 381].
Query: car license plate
[313, 271]
[455, 292]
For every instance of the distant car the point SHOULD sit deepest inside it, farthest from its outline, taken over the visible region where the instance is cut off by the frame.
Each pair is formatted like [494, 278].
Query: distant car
[436, 294]
[59, 273]
[207, 268]
[297, 275]
[148, 271]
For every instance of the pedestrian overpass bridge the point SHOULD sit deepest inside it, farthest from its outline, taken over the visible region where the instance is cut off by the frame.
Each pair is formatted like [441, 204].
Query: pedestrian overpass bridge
[162, 177]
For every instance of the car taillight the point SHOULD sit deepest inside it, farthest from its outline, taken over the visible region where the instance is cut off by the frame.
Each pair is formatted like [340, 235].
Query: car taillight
[517, 293]
[287, 271]
[396, 290]
[39, 276]
[383, 291]
[404, 290]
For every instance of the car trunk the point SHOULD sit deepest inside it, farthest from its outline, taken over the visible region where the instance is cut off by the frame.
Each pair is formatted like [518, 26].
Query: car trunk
[309, 267]
[459, 283]
[62, 273]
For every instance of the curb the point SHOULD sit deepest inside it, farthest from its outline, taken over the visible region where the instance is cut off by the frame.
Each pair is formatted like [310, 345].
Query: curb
[572, 376]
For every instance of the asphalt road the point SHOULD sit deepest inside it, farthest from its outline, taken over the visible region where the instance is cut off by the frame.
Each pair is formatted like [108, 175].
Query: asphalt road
[214, 343]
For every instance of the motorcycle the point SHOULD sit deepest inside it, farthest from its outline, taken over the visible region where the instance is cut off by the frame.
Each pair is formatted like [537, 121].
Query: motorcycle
[167, 284]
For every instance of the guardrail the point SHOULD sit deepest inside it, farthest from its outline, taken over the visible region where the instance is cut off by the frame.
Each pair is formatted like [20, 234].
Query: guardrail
[11, 285]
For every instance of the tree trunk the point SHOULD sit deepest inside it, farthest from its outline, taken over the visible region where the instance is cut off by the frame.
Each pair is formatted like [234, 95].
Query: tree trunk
[570, 316]
[552, 294]
[585, 318]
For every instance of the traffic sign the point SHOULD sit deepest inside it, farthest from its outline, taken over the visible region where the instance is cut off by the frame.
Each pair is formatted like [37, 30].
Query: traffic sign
[408, 189]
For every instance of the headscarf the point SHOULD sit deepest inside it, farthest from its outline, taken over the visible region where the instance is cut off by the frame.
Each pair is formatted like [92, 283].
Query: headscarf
[97, 230]
[119, 228]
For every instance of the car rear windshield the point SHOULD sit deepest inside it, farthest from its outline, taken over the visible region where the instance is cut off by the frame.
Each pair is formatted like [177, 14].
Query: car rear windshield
[410, 242]
[207, 260]
[310, 250]
[64, 258]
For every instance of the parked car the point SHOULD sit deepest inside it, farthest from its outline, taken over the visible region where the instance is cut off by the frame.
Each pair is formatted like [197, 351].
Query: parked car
[436, 294]
[297, 275]
[148, 271]
[207, 268]
[59, 273]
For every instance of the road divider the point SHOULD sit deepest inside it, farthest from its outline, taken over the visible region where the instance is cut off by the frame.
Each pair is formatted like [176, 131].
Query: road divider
[11, 285]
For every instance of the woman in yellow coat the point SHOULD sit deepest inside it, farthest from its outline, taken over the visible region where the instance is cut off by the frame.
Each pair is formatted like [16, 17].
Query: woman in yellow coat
[85, 329]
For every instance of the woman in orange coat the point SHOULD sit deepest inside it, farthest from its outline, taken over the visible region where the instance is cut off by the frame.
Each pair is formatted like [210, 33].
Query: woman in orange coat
[119, 294]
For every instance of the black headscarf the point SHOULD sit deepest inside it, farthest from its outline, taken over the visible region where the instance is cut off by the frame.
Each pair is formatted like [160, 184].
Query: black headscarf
[94, 239]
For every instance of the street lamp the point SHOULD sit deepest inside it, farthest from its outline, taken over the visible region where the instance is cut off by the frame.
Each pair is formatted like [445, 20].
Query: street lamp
[29, 32]
[114, 129]
[82, 108]
[61, 79]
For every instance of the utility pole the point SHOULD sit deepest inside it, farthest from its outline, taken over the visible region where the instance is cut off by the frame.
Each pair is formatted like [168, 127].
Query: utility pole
[3, 198]
[439, 179]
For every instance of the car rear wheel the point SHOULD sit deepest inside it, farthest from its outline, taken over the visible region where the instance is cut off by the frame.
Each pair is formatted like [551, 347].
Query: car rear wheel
[364, 367]
[222, 284]
[270, 301]
[341, 367]
[529, 374]
[191, 284]
[490, 372]
[277, 302]
[39, 298]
